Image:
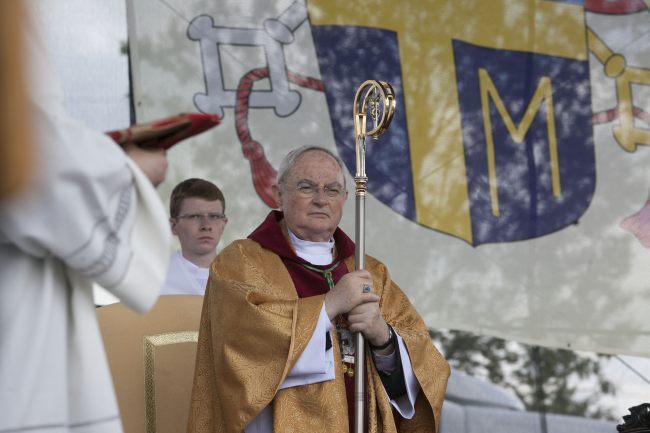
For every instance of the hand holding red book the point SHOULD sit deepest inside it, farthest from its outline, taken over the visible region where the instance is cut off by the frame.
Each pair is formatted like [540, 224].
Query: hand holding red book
[164, 133]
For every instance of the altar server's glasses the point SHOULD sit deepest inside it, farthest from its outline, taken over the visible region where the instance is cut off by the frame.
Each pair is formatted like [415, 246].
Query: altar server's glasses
[198, 217]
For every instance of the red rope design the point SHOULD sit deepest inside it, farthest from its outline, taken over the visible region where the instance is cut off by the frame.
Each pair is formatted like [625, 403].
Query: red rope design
[261, 170]
[609, 115]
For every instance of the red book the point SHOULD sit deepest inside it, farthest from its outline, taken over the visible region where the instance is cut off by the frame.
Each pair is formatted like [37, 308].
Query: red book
[165, 133]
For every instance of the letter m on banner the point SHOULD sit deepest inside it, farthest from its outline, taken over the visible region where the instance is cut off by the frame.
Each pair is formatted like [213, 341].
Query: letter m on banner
[528, 141]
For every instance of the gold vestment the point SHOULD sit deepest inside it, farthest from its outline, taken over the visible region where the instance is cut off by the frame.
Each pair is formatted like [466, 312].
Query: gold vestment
[254, 328]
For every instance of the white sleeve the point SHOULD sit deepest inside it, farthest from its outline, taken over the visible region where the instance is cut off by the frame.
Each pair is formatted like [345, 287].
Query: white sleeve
[315, 363]
[405, 404]
[150, 240]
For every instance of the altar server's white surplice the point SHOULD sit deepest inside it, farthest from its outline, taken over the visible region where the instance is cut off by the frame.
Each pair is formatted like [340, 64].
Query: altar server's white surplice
[184, 277]
[89, 215]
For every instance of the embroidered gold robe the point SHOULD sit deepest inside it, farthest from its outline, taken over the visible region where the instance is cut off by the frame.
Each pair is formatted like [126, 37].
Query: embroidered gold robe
[253, 329]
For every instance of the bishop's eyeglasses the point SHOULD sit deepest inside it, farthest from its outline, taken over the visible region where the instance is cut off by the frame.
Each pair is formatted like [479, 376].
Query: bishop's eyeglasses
[310, 189]
[198, 217]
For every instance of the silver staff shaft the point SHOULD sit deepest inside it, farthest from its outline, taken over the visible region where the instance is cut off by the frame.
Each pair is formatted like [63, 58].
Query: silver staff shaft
[360, 263]
[378, 98]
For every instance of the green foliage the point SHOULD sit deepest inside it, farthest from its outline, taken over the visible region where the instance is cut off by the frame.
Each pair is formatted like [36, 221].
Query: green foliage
[570, 383]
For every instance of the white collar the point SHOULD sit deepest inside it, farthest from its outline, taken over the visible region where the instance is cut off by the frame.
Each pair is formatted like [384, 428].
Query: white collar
[191, 267]
[316, 253]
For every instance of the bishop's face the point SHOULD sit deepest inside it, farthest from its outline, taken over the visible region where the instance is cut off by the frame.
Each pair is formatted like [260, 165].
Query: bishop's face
[312, 196]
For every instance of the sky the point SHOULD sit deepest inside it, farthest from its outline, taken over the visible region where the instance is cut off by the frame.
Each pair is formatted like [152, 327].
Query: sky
[86, 37]
[633, 390]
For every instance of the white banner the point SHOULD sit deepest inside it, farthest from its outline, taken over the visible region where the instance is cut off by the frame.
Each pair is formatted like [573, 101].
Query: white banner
[509, 196]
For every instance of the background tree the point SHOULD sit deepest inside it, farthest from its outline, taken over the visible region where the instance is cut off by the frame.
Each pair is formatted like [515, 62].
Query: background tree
[551, 380]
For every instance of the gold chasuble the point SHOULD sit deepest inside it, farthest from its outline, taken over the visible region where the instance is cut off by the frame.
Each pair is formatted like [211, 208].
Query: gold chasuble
[254, 327]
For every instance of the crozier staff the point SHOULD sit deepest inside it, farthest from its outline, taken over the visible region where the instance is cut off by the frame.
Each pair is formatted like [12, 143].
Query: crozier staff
[275, 348]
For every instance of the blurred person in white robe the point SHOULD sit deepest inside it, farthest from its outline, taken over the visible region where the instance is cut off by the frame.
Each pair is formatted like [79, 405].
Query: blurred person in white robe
[90, 213]
[197, 217]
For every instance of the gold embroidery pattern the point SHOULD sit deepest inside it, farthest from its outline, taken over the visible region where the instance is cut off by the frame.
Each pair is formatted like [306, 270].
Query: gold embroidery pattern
[150, 343]
[256, 354]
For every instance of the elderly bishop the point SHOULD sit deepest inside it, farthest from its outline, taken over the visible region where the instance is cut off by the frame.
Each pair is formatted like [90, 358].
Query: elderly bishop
[276, 352]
